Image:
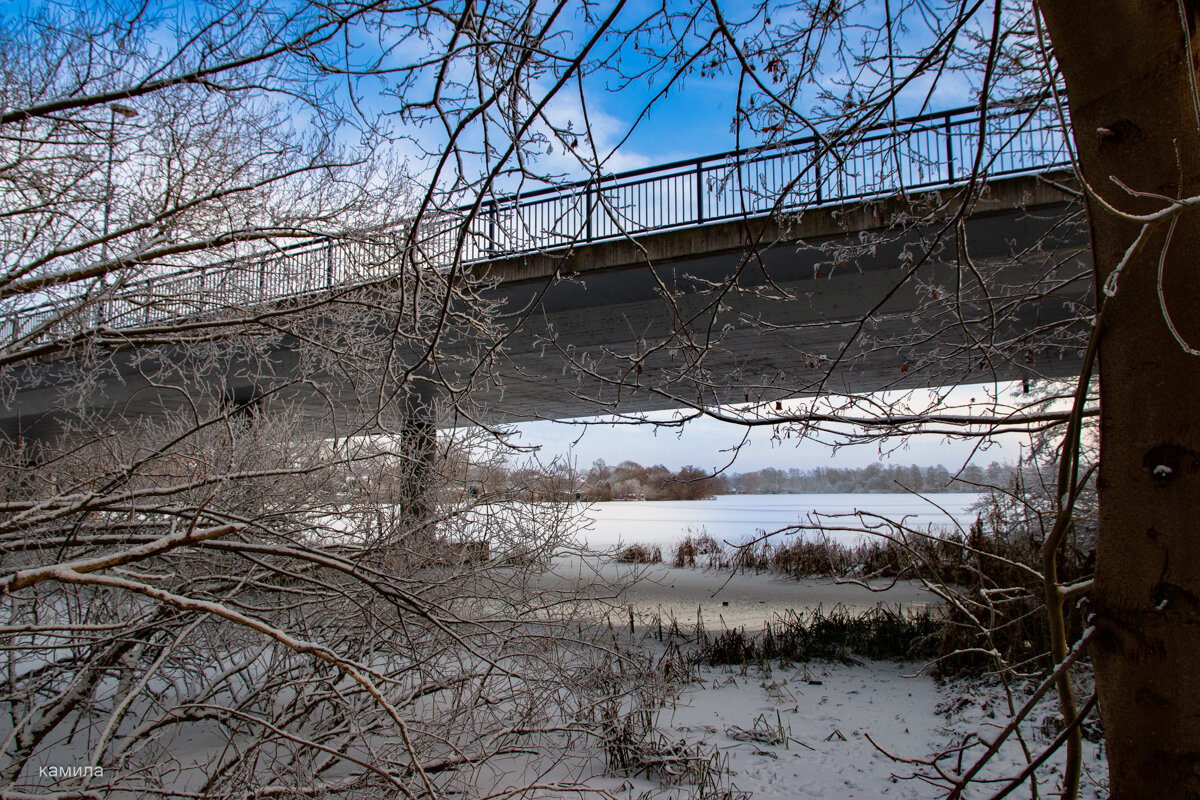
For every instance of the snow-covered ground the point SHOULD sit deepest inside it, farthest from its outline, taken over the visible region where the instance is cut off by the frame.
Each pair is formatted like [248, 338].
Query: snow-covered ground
[806, 731]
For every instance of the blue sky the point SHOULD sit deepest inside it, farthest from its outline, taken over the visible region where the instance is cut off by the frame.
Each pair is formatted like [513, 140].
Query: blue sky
[694, 117]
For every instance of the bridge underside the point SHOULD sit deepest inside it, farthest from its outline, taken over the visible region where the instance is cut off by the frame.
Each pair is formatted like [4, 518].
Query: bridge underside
[841, 299]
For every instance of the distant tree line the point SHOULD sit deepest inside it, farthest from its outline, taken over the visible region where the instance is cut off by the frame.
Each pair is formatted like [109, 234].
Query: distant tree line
[559, 482]
[630, 480]
[872, 478]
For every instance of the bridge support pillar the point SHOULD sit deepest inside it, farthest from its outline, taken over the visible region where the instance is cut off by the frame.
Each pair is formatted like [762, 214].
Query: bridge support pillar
[418, 449]
[28, 456]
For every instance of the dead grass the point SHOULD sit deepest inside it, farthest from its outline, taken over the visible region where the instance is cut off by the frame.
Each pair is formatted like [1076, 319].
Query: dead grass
[836, 635]
[699, 550]
[639, 554]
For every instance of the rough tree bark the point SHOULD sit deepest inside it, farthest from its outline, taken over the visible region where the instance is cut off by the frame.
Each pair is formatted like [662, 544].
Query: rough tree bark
[1131, 79]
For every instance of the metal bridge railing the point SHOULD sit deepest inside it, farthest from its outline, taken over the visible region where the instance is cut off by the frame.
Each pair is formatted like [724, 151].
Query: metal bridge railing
[932, 150]
[917, 153]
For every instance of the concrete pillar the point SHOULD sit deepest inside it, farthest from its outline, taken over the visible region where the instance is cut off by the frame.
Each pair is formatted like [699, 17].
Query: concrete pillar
[418, 448]
[241, 402]
[28, 457]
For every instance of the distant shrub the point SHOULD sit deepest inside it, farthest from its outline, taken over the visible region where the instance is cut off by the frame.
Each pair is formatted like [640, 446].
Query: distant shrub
[702, 547]
[639, 554]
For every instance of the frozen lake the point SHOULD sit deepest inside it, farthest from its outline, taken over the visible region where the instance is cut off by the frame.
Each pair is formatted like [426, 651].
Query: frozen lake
[727, 599]
[734, 518]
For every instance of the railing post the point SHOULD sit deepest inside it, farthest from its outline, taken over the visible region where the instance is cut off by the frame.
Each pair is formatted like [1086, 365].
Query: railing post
[98, 309]
[699, 192]
[329, 267]
[491, 234]
[949, 151]
[817, 170]
[491, 229]
[587, 208]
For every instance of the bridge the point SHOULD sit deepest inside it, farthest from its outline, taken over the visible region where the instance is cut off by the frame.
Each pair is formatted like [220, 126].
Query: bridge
[838, 262]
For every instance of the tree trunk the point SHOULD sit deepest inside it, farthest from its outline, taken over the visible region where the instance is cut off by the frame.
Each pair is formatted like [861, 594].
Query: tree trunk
[1134, 113]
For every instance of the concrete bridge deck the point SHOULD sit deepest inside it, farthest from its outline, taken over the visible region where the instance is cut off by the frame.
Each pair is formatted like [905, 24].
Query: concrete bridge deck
[883, 288]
